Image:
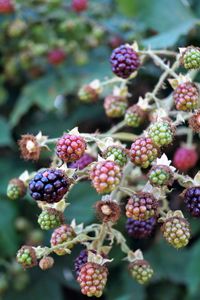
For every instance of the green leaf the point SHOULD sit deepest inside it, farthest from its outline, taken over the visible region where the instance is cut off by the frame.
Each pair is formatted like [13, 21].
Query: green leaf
[43, 287]
[82, 199]
[157, 15]
[170, 37]
[5, 134]
[41, 92]
[193, 269]
[8, 237]
[168, 262]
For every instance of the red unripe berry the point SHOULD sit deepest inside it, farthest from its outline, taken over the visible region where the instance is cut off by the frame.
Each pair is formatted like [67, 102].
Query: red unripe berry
[105, 176]
[185, 158]
[6, 6]
[70, 147]
[92, 279]
[143, 152]
[56, 56]
[79, 5]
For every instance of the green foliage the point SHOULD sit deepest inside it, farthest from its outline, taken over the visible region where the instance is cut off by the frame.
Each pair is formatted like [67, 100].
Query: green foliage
[28, 105]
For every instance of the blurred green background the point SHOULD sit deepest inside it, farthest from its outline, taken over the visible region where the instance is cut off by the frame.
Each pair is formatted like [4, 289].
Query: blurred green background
[36, 95]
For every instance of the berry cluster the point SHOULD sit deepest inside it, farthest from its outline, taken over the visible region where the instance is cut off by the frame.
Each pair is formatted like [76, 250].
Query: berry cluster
[115, 170]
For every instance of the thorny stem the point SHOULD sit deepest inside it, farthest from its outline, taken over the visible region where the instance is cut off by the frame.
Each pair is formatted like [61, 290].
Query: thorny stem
[159, 52]
[158, 61]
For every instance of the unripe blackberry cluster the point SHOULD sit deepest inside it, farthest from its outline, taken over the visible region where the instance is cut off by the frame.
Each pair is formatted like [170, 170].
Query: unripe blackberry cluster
[185, 158]
[49, 185]
[191, 58]
[134, 116]
[62, 234]
[143, 152]
[16, 189]
[160, 175]
[26, 256]
[161, 133]
[141, 206]
[50, 218]
[92, 279]
[176, 231]
[105, 176]
[186, 96]
[115, 106]
[140, 229]
[124, 61]
[70, 147]
[119, 153]
[141, 271]
[192, 200]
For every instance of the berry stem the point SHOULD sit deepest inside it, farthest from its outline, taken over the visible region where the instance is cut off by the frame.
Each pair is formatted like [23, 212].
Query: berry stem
[158, 61]
[159, 52]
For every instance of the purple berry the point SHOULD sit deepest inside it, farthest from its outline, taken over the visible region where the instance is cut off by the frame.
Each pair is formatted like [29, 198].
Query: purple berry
[192, 200]
[82, 162]
[124, 61]
[49, 185]
[80, 261]
[140, 229]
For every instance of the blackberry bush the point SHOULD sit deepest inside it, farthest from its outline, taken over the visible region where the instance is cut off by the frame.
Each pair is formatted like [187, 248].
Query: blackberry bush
[117, 172]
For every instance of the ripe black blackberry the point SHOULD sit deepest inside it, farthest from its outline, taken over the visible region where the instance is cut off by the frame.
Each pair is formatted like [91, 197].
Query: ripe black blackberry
[49, 185]
[140, 229]
[124, 61]
[192, 200]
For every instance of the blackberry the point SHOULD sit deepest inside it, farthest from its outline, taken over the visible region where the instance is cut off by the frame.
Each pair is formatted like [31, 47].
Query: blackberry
[140, 229]
[16, 189]
[134, 116]
[105, 176]
[92, 279]
[141, 271]
[115, 106]
[60, 235]
[124, 61]
[160, 175]
[141, 206]
[49, 185]
[192, 200]
[26, 256]
[119, 153]
[50, 218]
[185, 158]
[143, 152]
[161, 133]
[70, 147]
[186, 96]
[191, 58]
[56, 56]
[176, 231]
